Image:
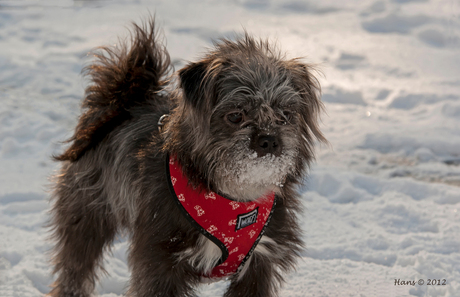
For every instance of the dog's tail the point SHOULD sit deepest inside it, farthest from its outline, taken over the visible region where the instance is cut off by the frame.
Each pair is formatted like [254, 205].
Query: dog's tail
[122, 77]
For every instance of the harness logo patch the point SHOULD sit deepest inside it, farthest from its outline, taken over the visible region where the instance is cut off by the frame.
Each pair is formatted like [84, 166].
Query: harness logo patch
[246, 219]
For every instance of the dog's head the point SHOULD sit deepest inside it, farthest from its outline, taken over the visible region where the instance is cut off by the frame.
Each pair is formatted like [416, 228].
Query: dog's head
[245, 120]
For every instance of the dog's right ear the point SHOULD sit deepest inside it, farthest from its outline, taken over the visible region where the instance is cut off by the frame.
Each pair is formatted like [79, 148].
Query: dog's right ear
[192, 83]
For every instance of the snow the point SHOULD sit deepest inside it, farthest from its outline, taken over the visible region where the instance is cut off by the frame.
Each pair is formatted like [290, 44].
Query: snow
[382, 202]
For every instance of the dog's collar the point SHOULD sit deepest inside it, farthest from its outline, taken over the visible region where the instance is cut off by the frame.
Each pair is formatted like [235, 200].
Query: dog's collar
[235, 227]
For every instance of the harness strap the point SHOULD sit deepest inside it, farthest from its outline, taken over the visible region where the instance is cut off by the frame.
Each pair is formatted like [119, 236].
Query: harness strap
[235, 227]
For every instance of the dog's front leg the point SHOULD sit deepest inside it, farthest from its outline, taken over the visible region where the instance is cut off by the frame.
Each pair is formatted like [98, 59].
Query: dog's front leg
[156, 269]
[157, 273]
[256, 279]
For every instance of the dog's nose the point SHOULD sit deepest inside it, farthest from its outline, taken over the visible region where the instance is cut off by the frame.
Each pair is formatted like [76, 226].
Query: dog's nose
[267, 144]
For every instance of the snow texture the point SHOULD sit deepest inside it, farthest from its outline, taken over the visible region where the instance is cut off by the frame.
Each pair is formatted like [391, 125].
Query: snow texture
[382, 202]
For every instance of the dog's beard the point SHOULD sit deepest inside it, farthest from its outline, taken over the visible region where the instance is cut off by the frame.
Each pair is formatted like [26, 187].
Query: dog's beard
[244, 176]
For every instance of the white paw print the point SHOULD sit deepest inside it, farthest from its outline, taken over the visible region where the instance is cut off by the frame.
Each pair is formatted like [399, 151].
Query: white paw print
[229, 239]
[234, 205]
[210, 195]
[233, 251]
[199, 210]
[212, 228]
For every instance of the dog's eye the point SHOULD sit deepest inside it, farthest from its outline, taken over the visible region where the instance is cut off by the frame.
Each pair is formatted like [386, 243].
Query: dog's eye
[287, 115]
[286, 118]
[235, 118]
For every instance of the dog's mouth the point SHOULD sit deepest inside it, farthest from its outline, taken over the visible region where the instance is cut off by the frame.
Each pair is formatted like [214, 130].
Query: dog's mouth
[249, 176]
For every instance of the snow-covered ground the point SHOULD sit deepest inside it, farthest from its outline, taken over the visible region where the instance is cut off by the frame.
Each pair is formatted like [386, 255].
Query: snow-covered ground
[382, 202]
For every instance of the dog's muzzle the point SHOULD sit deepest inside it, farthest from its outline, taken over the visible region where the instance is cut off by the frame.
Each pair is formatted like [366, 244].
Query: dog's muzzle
[266, 144]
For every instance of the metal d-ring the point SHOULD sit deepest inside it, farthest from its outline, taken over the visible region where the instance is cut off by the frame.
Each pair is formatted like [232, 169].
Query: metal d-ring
[162, 121]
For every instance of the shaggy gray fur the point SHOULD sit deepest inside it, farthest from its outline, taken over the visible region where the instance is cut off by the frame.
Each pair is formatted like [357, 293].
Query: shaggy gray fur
[243, 122]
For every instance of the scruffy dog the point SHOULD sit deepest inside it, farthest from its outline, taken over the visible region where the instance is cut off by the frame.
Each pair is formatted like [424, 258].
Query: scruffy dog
[206, 192]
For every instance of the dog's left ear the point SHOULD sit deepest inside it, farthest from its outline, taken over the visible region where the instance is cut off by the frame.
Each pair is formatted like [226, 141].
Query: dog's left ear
[192, 83]
[199, 80]
[308, 87]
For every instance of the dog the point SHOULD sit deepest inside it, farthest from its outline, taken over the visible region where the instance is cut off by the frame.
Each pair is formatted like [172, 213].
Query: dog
[200, 167]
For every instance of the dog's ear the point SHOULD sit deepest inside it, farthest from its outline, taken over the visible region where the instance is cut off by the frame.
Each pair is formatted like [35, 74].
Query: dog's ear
[308, 87]
[192, 83]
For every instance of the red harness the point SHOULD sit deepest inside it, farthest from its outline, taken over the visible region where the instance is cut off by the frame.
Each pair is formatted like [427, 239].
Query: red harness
[235, 227]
